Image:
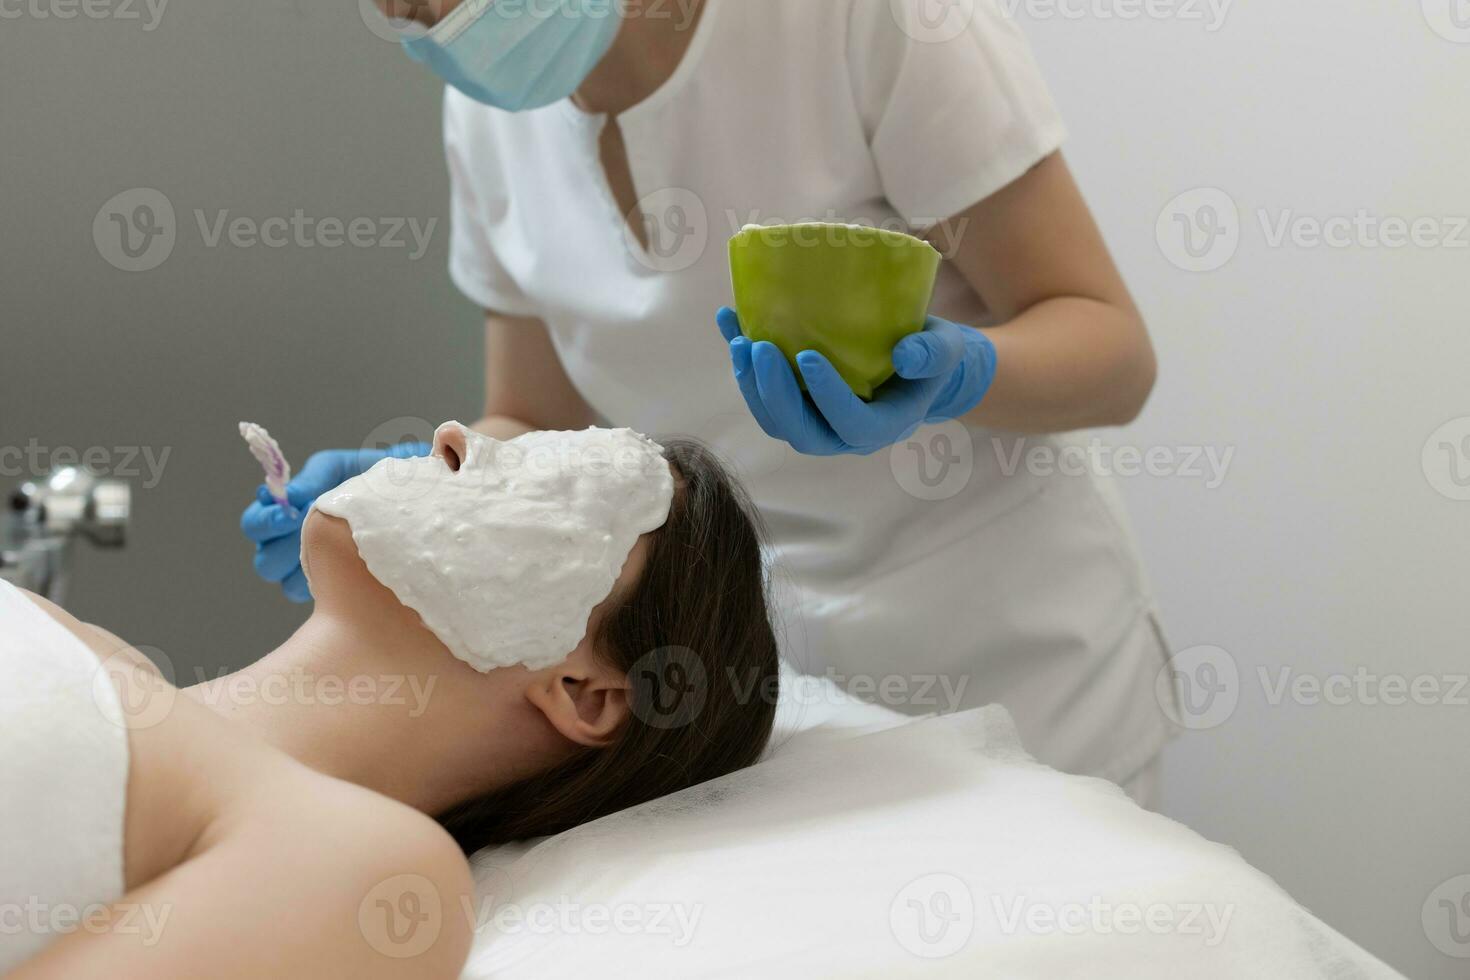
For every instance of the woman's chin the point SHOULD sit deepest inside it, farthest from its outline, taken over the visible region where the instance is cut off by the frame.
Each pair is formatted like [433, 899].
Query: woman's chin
[340, 578]
[329, 556]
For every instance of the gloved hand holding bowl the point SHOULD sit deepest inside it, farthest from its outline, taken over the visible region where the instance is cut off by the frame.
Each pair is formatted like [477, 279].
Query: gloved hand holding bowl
[841, 311]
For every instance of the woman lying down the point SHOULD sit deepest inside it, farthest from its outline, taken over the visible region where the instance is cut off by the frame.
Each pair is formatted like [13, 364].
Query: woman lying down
[541, 604]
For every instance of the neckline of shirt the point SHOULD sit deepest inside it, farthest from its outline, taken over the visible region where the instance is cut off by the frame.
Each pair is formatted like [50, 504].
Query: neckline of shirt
[672, 85]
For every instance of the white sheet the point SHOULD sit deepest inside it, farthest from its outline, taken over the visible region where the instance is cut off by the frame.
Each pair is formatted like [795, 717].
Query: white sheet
[937, 845]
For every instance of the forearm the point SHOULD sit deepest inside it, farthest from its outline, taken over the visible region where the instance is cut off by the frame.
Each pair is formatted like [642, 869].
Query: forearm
[1068, 363]
[526, 386]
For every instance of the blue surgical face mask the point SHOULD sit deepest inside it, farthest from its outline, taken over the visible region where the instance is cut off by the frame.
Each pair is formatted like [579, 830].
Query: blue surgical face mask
[518, 54]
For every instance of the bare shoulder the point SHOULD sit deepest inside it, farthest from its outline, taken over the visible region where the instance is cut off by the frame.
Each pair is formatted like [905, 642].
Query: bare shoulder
[394, 876]
[404, 881]
[362, 885]
[308, 877]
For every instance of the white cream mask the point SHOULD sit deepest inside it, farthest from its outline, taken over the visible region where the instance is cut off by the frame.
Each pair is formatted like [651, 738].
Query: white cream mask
[505, 558]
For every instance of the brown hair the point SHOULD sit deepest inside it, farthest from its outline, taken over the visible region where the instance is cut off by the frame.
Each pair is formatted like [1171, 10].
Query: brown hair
[695, 639]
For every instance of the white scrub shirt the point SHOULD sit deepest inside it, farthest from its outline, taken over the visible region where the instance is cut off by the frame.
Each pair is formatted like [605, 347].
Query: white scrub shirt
[953, 571]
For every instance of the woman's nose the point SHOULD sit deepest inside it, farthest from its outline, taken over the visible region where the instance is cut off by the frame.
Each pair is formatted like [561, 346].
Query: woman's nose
[449, 444]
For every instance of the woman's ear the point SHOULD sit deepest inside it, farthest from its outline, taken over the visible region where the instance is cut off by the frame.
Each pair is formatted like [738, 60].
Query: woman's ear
[583, 699]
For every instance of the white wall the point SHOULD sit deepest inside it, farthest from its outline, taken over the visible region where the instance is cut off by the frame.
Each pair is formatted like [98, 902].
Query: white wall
[1327, 548]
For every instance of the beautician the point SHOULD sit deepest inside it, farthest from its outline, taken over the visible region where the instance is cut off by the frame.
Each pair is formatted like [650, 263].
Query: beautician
[924, 558]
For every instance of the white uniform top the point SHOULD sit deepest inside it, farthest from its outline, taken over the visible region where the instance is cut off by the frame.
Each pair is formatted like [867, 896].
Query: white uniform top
[1013, 586]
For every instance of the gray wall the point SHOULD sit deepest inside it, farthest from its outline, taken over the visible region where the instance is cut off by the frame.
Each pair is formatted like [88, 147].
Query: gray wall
[259, 109]
[1326, 549]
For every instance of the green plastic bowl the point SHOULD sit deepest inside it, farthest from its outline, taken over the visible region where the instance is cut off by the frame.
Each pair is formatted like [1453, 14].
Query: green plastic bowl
[846, 291]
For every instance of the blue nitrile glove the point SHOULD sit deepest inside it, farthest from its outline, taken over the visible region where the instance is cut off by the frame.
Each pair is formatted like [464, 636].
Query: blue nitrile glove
[943, 372]
[277, 533]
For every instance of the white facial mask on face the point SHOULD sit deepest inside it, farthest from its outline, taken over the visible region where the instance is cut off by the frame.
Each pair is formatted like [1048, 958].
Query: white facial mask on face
[505, 559]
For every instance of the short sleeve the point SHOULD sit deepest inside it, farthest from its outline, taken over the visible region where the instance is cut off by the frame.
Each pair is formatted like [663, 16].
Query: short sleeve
[475, 204]
[952, 102]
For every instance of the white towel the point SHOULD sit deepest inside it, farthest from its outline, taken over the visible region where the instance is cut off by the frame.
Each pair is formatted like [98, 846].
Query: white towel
[63, 781]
